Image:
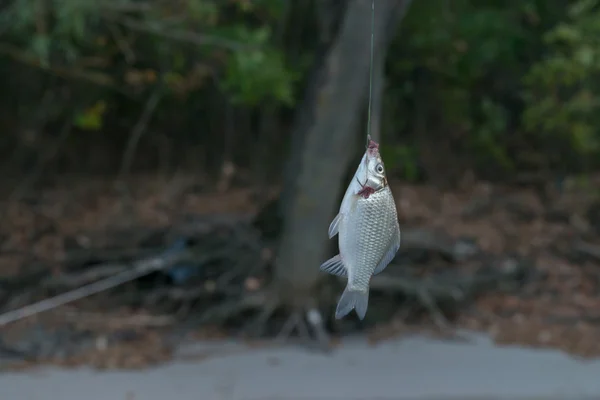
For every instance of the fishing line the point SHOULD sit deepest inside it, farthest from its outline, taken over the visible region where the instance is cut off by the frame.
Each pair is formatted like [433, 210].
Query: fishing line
[371, 72]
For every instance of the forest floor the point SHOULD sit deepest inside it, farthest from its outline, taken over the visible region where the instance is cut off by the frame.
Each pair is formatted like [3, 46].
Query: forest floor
[558, 230]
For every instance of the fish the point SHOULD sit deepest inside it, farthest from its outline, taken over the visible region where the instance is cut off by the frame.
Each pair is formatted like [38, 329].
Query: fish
[368, 232]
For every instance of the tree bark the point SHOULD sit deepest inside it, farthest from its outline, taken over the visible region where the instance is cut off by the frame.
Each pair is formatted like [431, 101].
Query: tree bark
[329, 16]
[310, 199]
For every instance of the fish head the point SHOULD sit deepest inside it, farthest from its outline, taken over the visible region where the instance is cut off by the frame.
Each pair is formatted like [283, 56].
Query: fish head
[371, 173]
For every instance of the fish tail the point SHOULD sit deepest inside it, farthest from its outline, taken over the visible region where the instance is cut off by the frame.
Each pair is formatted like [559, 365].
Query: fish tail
[352, 299]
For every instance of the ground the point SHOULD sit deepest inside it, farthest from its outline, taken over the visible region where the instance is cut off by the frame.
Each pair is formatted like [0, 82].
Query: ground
[559, 308]
[411, 368]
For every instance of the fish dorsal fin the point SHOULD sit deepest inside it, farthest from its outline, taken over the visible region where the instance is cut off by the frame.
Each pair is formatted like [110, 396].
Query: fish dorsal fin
[334, 227]
[389, 256]
[334, 266]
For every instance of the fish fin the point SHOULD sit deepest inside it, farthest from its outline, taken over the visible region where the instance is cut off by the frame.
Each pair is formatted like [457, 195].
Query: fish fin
[334, 227]
[352, 299]
[389, 256]
[334, 266]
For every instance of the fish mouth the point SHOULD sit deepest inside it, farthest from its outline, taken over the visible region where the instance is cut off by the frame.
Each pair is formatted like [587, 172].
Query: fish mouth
[373, 145]
[373, 148]
[371, 155]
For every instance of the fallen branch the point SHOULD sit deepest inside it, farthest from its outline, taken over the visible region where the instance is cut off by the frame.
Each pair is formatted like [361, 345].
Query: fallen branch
[89, 275]
[427, 239]
[587, 249]
[95, 77]
[266, 303]
[454, 287]
[76, 259]
[141, 268]
[180, 35]
[49, 154]
[120, 322]
[180, 294]
[138, 131]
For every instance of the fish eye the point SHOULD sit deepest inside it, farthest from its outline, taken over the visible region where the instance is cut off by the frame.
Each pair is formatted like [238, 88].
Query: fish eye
[379, 168]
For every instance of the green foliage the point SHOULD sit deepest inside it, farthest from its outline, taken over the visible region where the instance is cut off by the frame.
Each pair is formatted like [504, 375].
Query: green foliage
[91, 119]
[487, 138]
[159, 34]
[562, 90]
[403, 160]
[260, 72]
[507, 85]
[47, 28]
[467, 60]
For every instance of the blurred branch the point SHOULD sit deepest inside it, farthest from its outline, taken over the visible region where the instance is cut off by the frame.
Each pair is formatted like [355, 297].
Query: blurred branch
[139, 269]
[120, 322]
[179, 35]
[34, 121]
[94, 77]
[127, 6]
[48, 155]
[122, 43]
[138, 131]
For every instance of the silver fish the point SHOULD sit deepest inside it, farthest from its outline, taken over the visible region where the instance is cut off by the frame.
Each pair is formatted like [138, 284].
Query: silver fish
[368, 232]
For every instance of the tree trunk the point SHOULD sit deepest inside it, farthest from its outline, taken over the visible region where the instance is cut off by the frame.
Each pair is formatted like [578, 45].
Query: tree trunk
[310, 199]
[329, 16]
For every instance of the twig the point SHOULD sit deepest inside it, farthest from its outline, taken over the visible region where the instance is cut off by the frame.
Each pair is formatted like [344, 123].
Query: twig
[94, 77]
[138, 131]
[294, 321]
[315, 320]
[258, 325]
[127, 6]
[229, 309]
[122, 44]
[431, 304]
[412, 286]
[80, 257]
[179, 294]
[121, 321]
[39, 117]
[437, 241]
[182, 36]
[141, 268]
[587, 249]
[48, 155]
[75, 280]
[454, 287]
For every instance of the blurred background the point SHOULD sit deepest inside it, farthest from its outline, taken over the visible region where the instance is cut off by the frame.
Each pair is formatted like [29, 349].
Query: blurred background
[219, 135]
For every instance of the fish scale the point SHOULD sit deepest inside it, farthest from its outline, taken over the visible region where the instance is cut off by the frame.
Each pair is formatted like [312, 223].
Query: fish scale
[374, 222]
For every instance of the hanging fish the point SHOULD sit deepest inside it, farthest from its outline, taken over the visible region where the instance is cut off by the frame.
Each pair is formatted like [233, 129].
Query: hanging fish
[368, 232]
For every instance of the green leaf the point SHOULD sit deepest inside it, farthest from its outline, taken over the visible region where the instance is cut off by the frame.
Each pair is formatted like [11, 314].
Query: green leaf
[91, 119]
[585, 55]
[203, 11]
[40, 45]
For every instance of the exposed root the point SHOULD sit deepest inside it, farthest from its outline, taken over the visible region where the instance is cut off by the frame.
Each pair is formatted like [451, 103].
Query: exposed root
[315, 321]
[257, 327]
[438, 317]
[295, 321]
[232, 308]
[451, 289]
[306, 322]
